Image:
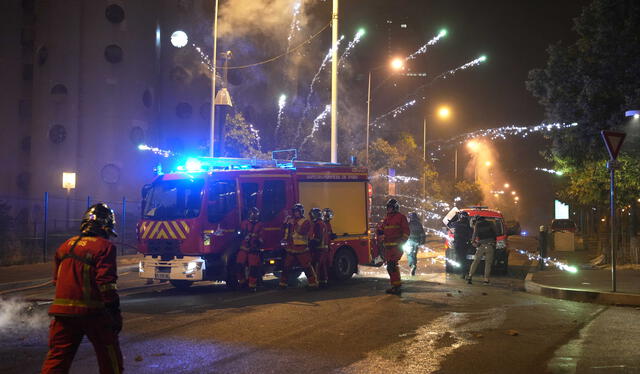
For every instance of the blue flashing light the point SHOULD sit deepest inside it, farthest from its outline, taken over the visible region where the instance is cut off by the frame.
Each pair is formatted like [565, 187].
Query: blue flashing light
[180, 168]
[524, 233]
[193, 164]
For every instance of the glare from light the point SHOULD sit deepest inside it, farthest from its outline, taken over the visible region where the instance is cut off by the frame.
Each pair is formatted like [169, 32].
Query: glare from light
[360, 33]
[442, 33]
[487, 163]
[473, 145]
[517, 198]
[507, 185]
[636, 116]
[179, 39]
[483, 58]
[444, 112]
[397, 63]
[513, 192]
[193, 164]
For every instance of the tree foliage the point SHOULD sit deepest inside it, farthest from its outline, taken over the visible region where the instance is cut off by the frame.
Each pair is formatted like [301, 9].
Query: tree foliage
[241, 138]
[593, 82]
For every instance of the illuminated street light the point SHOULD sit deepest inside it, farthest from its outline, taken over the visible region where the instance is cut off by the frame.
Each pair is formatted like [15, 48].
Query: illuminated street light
[513, 192]
[179, 39]
[444, 112]
[473, 145]
[517, 198]
[487, 163]
[397, 63]
[506, 185]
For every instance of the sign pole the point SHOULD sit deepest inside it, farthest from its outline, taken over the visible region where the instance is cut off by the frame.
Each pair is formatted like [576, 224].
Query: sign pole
[612, 203]
[613, 141]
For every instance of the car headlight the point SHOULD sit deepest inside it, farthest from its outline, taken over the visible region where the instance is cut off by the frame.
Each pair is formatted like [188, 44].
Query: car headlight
[206, 239]
[192, 267]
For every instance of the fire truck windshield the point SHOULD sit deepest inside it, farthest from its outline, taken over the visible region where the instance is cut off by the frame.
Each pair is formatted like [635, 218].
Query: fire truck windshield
[174, 199]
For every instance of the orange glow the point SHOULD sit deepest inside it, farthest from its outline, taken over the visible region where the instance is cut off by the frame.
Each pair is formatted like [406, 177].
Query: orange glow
[397, 63]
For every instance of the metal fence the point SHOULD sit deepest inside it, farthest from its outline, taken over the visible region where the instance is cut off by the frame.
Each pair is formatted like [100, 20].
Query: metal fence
[32, 229]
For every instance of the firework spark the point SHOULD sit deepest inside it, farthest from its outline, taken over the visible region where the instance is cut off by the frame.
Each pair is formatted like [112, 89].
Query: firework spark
[282, 101]
[351, 45]
[295, 24]
[316, 124]
[424, 48]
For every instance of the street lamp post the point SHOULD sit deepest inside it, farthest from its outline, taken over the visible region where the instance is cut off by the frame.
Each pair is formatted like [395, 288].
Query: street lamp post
[334, 82]
[443, 113]
[396, 64]
[213, 78]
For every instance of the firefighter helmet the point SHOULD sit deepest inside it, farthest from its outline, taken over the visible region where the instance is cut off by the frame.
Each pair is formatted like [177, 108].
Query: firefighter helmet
[315, 214]
[298, 208]
[254, 214]
[393, 204]
[98, 220]
[327, 214]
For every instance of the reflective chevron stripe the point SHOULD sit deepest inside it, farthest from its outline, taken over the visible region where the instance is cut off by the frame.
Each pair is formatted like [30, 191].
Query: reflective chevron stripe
[164, 230]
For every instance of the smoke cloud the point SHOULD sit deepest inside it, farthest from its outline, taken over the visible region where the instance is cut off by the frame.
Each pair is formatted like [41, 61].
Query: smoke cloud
[19, 316]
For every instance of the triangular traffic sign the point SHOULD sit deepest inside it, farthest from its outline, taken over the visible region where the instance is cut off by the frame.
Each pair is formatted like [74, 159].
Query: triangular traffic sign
[613, 140]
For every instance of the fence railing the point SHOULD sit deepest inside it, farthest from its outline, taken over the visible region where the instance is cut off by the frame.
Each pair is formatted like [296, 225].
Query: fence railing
[32, 229]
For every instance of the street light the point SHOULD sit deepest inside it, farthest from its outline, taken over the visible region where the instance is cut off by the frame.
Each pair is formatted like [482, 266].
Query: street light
[506, 185]
[366, 152]
[397, 63]
[632, 113]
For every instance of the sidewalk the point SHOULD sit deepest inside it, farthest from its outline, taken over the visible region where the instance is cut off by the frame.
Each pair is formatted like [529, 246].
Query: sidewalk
[588, 284]
[17, 276]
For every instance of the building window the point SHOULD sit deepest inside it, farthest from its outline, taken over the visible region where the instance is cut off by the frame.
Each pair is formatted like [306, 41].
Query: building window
[110, 174]
[25, 144]
[57, 134]
[147, 98]
[43, 54]
[178, 74]
[184, 110]
[59, 89]
[114, 13]
[113, 54]
[136, 135]
[27, 72]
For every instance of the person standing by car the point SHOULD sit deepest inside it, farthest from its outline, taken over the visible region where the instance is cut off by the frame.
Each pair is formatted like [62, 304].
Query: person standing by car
[416, 238]
[86, 301]
[484, 238]
[462, 233]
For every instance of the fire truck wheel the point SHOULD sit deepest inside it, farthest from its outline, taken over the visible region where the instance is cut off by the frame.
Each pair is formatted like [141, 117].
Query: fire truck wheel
[181, 284]
[344, 264]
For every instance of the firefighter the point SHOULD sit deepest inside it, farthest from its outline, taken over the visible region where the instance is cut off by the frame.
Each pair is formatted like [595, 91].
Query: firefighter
[252, 235]
[86, 301]
[296, 239]
[395, 230]
[319, 245]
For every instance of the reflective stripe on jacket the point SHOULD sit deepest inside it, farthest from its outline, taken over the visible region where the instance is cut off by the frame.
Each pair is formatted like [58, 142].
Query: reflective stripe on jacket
[296, 235]
[396, 229]
[318, 235]
[85, 276]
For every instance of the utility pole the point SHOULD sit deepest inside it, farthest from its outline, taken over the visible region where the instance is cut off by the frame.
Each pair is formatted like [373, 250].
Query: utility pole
[213, 78]
[334, 82]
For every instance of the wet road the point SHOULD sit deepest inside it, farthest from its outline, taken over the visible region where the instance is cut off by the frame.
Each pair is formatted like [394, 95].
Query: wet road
[438, 325]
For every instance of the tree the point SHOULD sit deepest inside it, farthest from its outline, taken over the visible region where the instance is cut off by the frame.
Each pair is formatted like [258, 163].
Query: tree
[241, 138]
[467, 193]
[592, 82]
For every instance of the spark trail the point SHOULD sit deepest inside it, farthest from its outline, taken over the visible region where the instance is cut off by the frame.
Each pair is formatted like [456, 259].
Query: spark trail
[295, 24]
[424, 48]
[350, 46]
[282, 101]
[316, 124]
[205, 60]
[157, 151]
[307, 107]
[411, 102]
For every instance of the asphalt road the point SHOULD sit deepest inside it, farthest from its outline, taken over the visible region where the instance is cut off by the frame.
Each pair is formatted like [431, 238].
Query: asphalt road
[438, 325]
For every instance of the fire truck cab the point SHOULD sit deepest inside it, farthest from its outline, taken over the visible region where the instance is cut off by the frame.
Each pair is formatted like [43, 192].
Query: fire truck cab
[190, 219]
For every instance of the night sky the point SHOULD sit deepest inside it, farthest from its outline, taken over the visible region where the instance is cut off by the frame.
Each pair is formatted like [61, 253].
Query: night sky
[514, 35]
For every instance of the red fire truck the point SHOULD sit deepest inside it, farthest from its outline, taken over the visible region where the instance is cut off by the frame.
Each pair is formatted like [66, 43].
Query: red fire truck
[190, 218]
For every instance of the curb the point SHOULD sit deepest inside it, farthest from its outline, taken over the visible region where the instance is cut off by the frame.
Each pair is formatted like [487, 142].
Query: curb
[572, 294]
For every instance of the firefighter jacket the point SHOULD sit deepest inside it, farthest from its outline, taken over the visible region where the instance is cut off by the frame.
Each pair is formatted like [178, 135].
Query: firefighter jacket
[252, 235]
[329, 233]
[85, 277]
[296, 232]
[318, 236]
[396, 229]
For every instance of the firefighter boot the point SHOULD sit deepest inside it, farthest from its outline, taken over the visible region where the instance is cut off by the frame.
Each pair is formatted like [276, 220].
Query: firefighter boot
[395, 290]
[413, 270]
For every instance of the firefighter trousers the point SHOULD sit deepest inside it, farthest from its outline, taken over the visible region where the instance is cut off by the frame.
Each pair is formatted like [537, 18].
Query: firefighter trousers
[393, 254]
[65, 335]
[303, 259]
[321, 264]
[249, 259]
